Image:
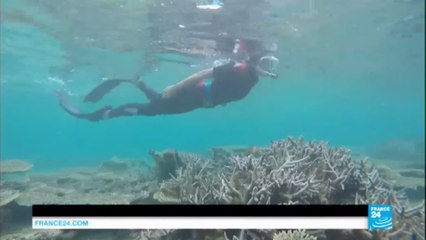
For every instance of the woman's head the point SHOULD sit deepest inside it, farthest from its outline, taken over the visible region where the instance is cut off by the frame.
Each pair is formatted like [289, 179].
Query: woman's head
[251, 48]
[265, 64]
[268, 63]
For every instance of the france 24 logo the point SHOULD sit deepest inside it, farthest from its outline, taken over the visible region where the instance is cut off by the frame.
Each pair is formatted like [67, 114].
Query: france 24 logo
[379, 217]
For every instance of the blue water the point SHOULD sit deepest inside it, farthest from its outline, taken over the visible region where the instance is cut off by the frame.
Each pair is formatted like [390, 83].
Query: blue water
[346, 80]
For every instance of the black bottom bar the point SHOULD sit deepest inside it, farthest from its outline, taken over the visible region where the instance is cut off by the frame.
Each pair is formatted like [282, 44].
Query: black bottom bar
[200, 210]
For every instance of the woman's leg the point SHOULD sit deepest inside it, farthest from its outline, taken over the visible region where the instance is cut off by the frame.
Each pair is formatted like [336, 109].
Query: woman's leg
[98, 92]
[150, 93]
[130, 109]
[148, 109]
[169, 102]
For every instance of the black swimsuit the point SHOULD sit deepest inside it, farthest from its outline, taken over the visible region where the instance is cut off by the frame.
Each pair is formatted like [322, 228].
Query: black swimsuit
[232, 82]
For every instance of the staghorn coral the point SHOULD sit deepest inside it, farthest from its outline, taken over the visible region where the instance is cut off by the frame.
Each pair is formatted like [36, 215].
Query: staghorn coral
[225, 152]
[294, 172]
[298, 234]
[168, 161]
[168, 193]
[287, 172]
[407, 220]
[34, 234]
[153, 234]
[195, 183]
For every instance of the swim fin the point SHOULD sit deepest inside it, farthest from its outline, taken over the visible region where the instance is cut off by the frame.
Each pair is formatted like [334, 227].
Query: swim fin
[70, 109]
[98, 92]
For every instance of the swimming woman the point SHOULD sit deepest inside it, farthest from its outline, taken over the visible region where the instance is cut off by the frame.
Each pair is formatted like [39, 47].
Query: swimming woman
[205, 89]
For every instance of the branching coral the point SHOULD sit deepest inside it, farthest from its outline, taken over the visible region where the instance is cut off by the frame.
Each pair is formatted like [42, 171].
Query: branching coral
[292, 172]
[293, 235]
[34, 234]
[407, 220]
[167, 162]
[155, 234]
[287, 172]
[194, 182]
[299, 234]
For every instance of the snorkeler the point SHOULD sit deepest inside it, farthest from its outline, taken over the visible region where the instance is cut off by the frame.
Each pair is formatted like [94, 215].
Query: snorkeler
[205, 89]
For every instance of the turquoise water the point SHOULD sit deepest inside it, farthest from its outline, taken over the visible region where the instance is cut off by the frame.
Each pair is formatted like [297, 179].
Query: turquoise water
[351, 75]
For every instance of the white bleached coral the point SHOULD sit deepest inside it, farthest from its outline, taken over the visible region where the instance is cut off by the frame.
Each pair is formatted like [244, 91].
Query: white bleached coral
[292, 172]
[298, 234]
[287, 172]
[34, 234]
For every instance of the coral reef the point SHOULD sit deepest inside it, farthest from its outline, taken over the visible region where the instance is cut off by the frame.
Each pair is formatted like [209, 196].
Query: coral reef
[39, 235]
[401, 176]
[153, 234]
[55, 195]
[14, 166]
[298, 234]
[105, 185]
[226, 151]
[51, 234]
[166, 163]
[286, 172]
[293, 172]
[293, 235]
[7, 196]
[190, 183]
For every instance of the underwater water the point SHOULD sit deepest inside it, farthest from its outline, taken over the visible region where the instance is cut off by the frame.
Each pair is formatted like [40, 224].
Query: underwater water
[351, 74]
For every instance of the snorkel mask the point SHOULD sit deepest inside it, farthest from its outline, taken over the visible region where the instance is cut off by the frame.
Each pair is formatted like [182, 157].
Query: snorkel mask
[267, 66]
